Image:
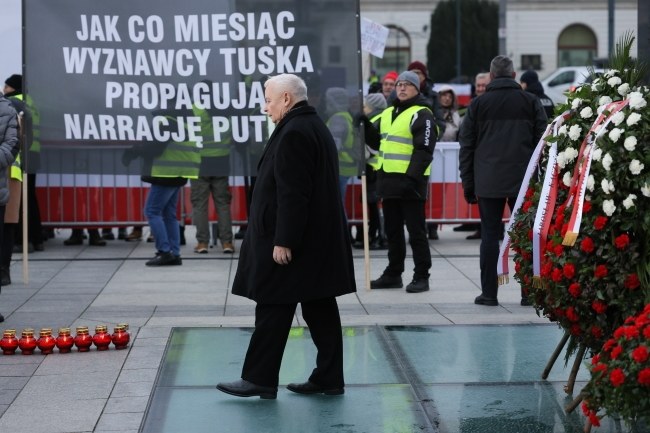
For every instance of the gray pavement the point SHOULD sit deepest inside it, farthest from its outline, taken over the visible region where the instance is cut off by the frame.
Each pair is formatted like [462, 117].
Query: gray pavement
[109, 391]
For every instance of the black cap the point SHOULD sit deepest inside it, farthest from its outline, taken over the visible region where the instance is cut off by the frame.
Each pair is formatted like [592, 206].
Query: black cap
[15, 82]
[529, 77]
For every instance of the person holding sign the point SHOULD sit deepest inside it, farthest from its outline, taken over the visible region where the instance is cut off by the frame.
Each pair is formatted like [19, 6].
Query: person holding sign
[296, 248]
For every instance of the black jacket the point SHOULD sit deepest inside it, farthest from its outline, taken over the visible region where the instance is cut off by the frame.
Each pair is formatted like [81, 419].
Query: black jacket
[537, 89]
[497, 138]
[414, 184]
[296, 203]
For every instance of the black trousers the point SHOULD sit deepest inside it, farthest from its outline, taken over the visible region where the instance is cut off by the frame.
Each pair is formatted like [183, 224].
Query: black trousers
[272, 326]
[491, 211]
[409, 212]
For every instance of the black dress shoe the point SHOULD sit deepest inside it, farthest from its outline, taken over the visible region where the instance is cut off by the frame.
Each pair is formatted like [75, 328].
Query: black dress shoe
[465, 228]
[475, 235]
[2, 318]
[311, 388]
[418, 285]
[165, 259]
[73, 240]
[387, 282]
[39, 247]
[244, 388]
[483, 300]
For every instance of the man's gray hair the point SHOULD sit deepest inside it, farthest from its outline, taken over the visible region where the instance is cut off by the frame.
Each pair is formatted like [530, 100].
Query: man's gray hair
[501, 66]
[482, 75]
[290, 83]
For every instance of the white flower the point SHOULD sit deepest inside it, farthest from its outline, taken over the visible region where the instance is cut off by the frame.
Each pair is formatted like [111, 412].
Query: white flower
[607, 186]
[595, 86]
[618, 118]
[586, 113]
[614, 81]
[630, 143]
[629, 201]
[645, 190]
[604, 100]
[636, 166]
[561, 159]
[574, 132]
[562, 131]
[611, 73]
[590, 182]
[615, 134]
[576, 103]
[623, 89]
[608, 207]
[597, 154]
[637, 100]
[633, 119]
[570, 154]
[566, 179]
[607, 161]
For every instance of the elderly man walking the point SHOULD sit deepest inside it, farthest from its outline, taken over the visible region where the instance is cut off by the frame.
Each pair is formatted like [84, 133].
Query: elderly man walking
[497, 138]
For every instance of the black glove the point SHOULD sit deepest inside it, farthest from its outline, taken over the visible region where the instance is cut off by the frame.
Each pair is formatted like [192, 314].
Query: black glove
[470, 197]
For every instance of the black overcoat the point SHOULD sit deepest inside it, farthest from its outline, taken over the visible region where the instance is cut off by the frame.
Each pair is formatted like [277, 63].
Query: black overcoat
[296, 203]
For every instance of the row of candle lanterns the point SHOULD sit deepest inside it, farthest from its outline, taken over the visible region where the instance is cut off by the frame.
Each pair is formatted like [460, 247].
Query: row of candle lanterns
[46, 342]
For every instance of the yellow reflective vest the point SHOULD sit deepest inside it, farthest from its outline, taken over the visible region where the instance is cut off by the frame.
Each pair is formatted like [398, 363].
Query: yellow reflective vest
[375, 161]
[210, 147]
[396, 146]
[180, 159]
[347, 164]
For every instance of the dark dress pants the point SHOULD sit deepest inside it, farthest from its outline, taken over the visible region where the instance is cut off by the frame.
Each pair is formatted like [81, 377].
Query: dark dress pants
[491, 211]
[272, 326]
[396, 214]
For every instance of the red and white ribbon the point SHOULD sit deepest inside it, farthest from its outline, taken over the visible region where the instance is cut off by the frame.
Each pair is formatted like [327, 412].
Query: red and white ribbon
[502, 264]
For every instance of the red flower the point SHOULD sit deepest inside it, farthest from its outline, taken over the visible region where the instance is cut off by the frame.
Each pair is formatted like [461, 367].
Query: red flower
[556, 275]
[587, 245]
[630, 332]
[599, 306]
[593, 419]
[609, 344]
[596, 331]
[569, 270]
[600, 222]
[622, 241]
[527, 204]
[640, 354]
[617, 377]
[575, 330]
[595, 359]
[644, 377]
[632, 282]
[601, 271]
[558, 250]
[615, 352]
[571, 314]
[530, 234]
[546, 269]
[586, 207]
[599, 368]
[530, 192]
[574, 289]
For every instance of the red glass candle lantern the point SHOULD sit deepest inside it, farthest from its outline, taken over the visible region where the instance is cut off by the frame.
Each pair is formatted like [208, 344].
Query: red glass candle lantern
[124, 325]
[27, 342]
[9, 342]
[120, 337]
[64, 341]
[45, 341]
[83, 340]
[102, 338]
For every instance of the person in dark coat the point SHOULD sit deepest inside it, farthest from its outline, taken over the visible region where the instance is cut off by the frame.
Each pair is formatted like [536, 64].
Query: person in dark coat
[296, 248]
[497, 138]
[530, 82]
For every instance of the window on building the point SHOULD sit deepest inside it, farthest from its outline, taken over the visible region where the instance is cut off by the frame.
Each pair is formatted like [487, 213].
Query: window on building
[397, 54]
[577, 46]
[531, 61]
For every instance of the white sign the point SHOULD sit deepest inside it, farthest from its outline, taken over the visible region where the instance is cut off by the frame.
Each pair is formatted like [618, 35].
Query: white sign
[373, 37]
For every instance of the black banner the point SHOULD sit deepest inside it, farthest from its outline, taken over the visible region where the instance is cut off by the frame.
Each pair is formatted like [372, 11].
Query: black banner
[105, 77]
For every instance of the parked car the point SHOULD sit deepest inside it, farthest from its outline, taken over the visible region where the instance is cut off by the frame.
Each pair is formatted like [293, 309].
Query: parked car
[566, 79]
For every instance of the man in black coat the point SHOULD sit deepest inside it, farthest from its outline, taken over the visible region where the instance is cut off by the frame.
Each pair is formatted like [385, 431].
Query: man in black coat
[497, 138]
[296, 248]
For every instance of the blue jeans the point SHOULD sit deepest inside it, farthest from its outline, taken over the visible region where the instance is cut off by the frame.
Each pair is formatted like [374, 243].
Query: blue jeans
[160, 211]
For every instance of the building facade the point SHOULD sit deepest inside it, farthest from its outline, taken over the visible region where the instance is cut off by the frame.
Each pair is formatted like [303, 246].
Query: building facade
[540, 34]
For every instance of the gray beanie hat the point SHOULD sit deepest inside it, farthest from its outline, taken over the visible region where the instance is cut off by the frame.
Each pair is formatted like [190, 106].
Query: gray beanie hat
[411, 77]
[376, 101]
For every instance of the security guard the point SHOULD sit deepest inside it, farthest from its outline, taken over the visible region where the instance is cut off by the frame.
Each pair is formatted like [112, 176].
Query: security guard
[408, 137]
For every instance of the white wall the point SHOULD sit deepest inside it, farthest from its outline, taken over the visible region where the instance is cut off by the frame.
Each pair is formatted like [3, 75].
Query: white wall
[10, 40]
